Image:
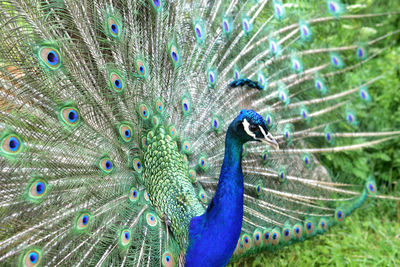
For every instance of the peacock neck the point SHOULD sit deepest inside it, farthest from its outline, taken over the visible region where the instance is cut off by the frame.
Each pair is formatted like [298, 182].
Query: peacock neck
[230, 184]
[214, 235]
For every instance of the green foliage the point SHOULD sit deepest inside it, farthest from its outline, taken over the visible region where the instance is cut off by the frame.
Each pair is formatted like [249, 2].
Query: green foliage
[382, 114]
[369, 237]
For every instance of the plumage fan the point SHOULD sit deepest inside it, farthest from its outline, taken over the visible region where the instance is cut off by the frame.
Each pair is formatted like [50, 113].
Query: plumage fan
[123, 126]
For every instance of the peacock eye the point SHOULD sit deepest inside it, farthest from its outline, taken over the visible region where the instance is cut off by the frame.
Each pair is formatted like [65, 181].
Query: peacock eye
[253, 128]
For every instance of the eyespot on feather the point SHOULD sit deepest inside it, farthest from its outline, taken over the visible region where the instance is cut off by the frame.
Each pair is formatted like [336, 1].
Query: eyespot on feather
[335, 8]
[274, 47]
[82, 221]
[323, 224]
[106, 165]
[186, 147]
[186, 105]
[70, 116]
[146, 195]
[247, 26]
[279, 10]
[212, 76]
[282, 175]
[267, 237]
[309, 227]
[159, 106]
[31, 258]
[199, 31]
[297, 231]
[125, 132]
[203, 162]
[113, 27]
[340, 214]
[287, 233]
[172, 131]
[50, 57]
[192, 175]
[257, 237]
[116, 82]
[137, 165]
[227, 26]
[142, 68]
[37, 190]
[155, 121]
[151, 219]
[168, 259]
[305, 31]
[133, 195]
[275, 236]
[11, 145]
[174, 54]
[371, 187]
[247, 241]
[156, 4]
[144, 111]
[259, 188]
[203, 196]
[125, 238]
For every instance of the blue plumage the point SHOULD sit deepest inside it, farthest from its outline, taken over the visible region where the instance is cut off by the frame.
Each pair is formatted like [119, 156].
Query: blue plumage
[213, 236]
[245, 81]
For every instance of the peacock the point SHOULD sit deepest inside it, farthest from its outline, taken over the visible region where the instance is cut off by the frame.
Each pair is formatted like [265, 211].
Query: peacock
[182, 133]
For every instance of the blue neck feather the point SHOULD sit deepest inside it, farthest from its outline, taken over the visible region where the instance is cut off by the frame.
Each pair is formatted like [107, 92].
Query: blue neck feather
[213, 236]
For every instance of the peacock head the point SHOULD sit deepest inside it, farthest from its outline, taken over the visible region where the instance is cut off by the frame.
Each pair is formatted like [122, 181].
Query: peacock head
[250, 126]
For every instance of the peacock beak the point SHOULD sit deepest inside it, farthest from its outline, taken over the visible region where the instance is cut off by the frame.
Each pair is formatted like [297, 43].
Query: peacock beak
[270, 140]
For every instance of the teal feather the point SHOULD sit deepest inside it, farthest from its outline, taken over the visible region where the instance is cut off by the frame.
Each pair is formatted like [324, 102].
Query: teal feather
[113, 116]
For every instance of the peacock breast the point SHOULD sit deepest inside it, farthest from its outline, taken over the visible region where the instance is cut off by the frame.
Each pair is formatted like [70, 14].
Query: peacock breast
[170, 190]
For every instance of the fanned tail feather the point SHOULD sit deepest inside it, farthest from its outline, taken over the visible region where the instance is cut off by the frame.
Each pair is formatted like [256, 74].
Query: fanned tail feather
[98, 98]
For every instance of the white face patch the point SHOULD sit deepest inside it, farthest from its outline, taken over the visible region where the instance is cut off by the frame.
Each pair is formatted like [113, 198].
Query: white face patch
[263, 132]
[246, 125]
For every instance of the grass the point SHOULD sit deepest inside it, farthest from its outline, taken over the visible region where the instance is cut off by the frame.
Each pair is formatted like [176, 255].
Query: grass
[369, 237]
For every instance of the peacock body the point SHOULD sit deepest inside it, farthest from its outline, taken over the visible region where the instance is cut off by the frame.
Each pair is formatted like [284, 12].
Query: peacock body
[123, 126]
